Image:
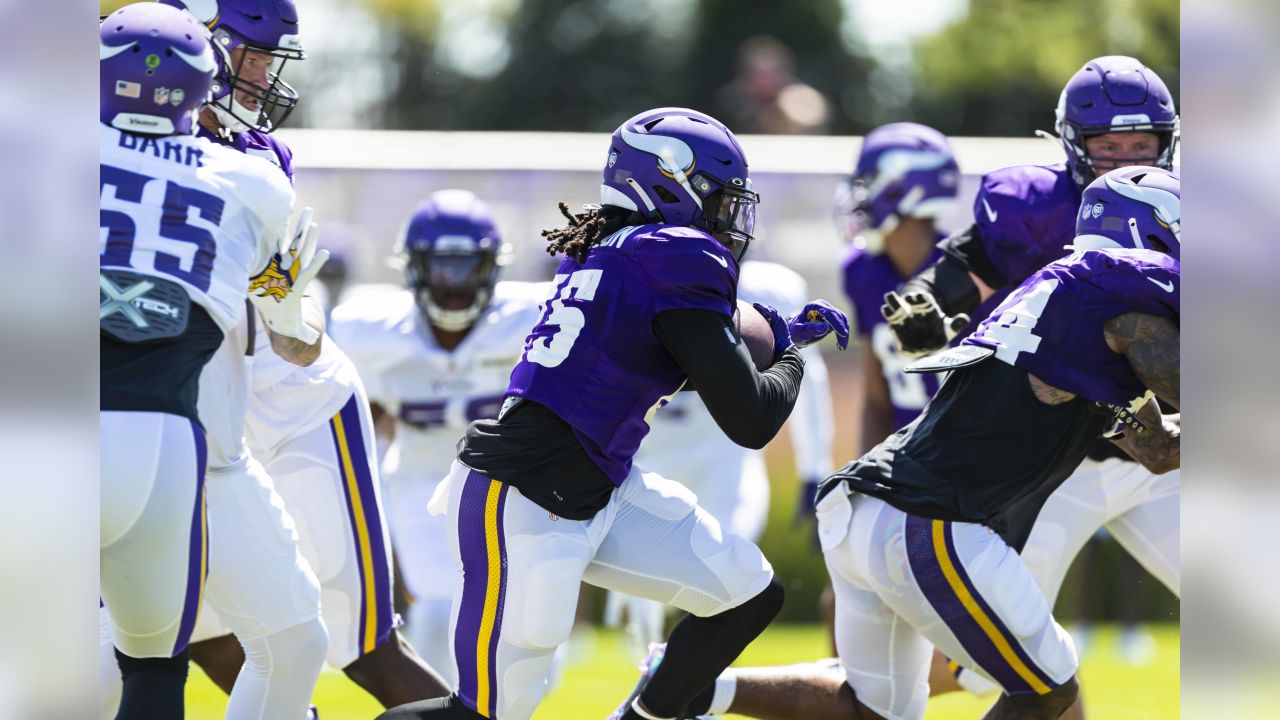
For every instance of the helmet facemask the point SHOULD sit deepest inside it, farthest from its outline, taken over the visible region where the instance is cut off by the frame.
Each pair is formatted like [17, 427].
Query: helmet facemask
[452, 287]
[730, 215]
[275, 99]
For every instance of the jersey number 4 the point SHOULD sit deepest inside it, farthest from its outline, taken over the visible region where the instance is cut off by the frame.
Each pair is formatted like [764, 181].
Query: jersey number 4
[122, 227]
[550, 349]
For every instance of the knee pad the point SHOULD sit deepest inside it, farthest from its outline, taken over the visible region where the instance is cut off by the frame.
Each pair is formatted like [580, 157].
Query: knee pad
[304, 643]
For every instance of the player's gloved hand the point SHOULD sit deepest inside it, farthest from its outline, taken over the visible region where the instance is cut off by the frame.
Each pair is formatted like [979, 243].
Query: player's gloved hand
[918, 325]
[277, 291]
[781, 333]
[815, 321]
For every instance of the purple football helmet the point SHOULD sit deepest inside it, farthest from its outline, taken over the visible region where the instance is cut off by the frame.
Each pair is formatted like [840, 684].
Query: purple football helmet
[903, 170]
[155, 67]
[1110, 94]
[249, 92]
[452, 255]
[1132, 207]
[668, 164]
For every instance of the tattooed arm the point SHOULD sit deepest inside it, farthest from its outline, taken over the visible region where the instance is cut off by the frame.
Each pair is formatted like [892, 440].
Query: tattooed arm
[1159, 446]
[1151, 345]
[294, 350]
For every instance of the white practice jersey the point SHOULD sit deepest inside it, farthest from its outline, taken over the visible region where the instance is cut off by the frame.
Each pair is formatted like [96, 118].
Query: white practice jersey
[434, 393]
[224, 395]
[287, 400]
[685, 444]
[193, 212]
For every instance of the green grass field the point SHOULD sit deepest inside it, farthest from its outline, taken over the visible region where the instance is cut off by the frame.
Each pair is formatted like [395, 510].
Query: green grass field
[600, 673]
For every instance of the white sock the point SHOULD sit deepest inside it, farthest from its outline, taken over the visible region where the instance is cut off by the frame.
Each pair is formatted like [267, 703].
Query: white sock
[635, 705]
[279, 674]
[726, 687]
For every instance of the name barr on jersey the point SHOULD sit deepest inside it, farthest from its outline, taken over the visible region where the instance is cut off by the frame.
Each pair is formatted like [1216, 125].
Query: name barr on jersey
[164, 149]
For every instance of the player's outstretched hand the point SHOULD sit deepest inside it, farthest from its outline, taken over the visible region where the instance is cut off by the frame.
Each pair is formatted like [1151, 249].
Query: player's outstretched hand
[277, 291]
[918, 325]
[781, 334]
[815, 321]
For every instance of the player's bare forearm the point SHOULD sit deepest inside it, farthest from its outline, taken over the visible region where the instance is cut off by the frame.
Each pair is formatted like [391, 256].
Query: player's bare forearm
[1159, 446]
[297, 351]
[1152, 346]
[877, 424]
[877, 408]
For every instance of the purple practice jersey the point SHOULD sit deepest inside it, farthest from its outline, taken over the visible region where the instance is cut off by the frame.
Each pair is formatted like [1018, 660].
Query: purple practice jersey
[257, 143]
[867, 277]
[1052, 325]
[1025, 215]
[593, 358]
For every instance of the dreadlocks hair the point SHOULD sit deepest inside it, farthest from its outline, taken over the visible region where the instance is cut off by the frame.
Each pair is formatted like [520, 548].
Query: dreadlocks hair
[588, 228]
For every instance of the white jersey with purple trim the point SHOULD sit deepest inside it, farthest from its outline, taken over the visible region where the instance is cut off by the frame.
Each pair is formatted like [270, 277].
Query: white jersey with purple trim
[685, 444]
[432, 392]
[192, 212]
[287, 400]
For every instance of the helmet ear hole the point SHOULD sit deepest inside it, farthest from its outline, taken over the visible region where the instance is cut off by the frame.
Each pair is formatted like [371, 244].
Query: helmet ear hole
[1158, 245]
[665, 195]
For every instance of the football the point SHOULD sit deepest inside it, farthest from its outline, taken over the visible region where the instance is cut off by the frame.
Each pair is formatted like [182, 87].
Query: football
[756, 334]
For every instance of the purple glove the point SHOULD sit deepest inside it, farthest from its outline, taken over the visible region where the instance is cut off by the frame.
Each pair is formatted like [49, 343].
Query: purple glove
[816, 320]
[781, 335]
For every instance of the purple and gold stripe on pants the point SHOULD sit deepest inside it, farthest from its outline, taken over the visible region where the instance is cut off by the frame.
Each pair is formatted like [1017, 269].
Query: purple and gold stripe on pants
[937, 569]
[483, 547]
[198, 558]
[365, 516]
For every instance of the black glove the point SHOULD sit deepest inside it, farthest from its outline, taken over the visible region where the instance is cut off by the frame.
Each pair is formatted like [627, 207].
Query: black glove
[918, 325]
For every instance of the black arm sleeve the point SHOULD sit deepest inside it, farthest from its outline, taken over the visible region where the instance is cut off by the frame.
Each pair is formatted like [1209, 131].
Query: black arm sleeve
[948, 279]
[749, 406]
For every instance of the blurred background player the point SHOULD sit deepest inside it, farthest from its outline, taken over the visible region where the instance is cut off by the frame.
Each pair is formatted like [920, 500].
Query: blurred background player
[905, 178]
[308, 427]
[434, 357]
[805, 691]
[162, 321]
[685, 445]
[547, 496]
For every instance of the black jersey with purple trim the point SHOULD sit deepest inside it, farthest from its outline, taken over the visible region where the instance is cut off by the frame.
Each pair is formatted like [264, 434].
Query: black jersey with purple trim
[986, 449]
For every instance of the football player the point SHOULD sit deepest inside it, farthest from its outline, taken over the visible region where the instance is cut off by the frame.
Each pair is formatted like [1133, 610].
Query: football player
[436, 356]
[547, 495]
[904, 179]
[308, 428]
[185, 224]
[920, 534]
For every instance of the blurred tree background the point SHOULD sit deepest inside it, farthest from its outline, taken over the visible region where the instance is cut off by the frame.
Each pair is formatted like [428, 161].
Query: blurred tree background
[969, 67]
